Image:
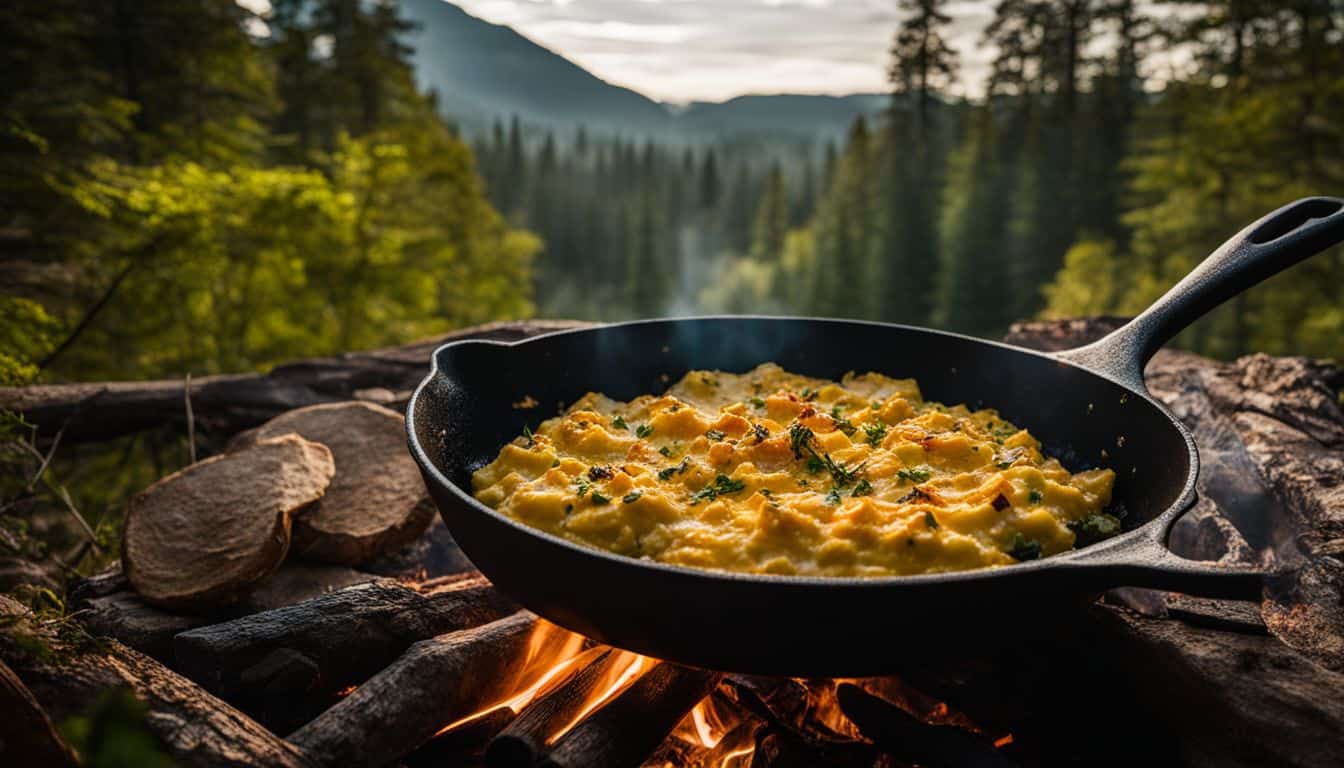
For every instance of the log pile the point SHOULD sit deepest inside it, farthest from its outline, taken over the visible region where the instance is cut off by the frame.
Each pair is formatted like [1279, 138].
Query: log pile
[405, 656]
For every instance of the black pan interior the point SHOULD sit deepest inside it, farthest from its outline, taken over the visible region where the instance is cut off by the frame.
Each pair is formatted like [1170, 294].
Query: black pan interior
[469, 409]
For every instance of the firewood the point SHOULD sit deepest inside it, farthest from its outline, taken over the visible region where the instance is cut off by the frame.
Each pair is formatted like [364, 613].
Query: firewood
[1237, 696]
[336, 640]
[67, 676]
[435, 682]
[524, 739]
[630, 726]
[206, 534]
[27, 736]
[125, 617]
[376, 503]
[912, 740]
[225, 405]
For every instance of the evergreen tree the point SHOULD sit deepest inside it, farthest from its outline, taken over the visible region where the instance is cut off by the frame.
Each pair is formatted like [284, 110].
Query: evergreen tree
[772, 219]
[922, 64]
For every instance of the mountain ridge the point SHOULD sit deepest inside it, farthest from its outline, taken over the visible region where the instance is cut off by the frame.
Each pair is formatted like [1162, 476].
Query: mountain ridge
[484, 72]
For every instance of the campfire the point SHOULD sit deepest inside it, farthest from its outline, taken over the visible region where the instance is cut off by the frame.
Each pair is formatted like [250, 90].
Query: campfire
[415, 659]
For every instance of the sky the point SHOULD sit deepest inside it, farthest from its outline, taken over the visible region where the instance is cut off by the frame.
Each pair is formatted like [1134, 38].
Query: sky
[710, 50]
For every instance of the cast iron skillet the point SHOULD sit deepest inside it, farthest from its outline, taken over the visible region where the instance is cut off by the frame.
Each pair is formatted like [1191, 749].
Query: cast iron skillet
[1088, 405]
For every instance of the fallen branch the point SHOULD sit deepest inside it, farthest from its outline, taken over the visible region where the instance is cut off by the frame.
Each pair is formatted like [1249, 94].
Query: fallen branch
[228, 404]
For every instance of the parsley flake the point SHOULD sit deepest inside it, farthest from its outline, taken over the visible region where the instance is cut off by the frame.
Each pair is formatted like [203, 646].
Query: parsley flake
[643, 431]
[631, 497]
[1023, 548]
[915, 474]
[619, 423]
[598, 498]
[876, 430]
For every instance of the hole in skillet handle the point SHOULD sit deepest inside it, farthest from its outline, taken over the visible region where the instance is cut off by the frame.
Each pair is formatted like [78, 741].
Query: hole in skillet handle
[1294, 218]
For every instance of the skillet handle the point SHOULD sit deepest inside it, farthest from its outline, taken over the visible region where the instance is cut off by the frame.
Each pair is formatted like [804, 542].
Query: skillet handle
[1147, 562]
[1277, 241]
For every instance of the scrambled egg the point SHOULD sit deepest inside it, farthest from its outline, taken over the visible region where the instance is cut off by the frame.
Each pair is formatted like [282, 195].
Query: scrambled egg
[771, 472]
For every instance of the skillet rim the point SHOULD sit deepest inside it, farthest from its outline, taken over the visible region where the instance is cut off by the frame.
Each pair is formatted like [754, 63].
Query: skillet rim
[1107, 553]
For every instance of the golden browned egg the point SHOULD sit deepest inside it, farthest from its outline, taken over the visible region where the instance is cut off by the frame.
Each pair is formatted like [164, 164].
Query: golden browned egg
[771, 472]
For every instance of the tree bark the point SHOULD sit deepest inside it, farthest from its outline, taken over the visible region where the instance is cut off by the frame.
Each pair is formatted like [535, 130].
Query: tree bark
[226, 404]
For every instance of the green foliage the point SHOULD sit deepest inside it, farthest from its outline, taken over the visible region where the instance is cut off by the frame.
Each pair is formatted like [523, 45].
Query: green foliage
[156, 233]
[114, 735]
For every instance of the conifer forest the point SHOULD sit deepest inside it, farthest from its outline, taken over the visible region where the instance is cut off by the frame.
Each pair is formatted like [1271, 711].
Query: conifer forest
[189, 187]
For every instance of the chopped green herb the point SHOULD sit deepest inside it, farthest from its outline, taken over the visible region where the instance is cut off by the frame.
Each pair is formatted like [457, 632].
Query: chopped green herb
[666, 474]
[846, 426]
[527, 433]
[836, 411]
[643, 431]
[876, 430]
[1094, 528]
[722, 486]
[764, 491]
[757, 402]
[1003, 431]
[598, 498]
[808, 393]
[863, 488]
[914, 475]
[1034, 496]
[555, 462]
[714, 434]
[930, 520]
[666, 450]
[814, 464]
[833, 498]
[631, 497]
[583, 487]
[1023, 548]
[619, 423]
[800, 437]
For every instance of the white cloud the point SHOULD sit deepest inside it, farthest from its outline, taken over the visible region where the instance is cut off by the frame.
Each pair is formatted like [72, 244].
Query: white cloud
[683, 50]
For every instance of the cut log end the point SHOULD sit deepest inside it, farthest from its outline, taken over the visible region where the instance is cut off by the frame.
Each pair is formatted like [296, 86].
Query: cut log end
[206, 534]
[377, 502]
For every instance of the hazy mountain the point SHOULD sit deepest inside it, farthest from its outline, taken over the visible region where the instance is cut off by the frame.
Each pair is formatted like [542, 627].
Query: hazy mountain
[779, 114]
[484, 72]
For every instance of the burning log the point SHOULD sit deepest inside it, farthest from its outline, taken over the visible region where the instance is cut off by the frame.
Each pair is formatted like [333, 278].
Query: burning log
[524, 739]
[628, 728]
[434, 683]
[27, 736]
[320, 646]
[208, 533]
[229, 404]
[910, 739]
[376, 503]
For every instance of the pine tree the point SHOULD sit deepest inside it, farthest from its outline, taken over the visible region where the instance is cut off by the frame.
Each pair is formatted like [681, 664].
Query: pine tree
[771, 223]
[922, 65]
[709, 181]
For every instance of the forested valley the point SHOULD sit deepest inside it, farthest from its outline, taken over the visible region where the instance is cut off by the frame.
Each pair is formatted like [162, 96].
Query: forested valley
[192, 187]
[1116, 146]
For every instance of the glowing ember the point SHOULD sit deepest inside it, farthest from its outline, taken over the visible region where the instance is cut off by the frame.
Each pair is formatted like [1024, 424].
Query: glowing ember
[721, 731]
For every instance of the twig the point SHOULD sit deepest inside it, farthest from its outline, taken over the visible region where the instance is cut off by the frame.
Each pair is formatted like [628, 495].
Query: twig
[70, 505]
[46, 460]
[191, 421]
